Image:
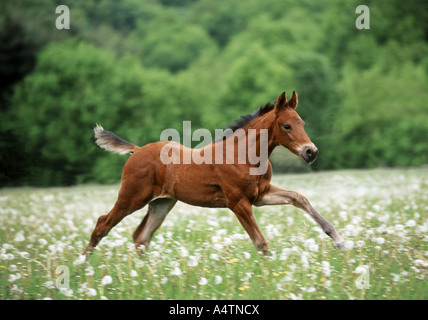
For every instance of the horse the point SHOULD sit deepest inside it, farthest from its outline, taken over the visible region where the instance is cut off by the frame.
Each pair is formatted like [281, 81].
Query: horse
[146, 180]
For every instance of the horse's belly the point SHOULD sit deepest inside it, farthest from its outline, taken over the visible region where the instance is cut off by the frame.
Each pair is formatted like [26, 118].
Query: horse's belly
[196, 187]
[202, 195]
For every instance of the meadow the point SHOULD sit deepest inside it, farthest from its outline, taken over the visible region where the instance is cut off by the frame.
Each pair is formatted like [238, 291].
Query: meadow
[201, 253]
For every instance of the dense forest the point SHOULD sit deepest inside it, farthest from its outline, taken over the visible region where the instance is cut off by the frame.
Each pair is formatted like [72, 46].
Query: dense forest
[140, 66]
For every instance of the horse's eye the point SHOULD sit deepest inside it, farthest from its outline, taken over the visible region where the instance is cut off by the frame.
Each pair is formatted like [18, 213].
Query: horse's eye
[287, 127]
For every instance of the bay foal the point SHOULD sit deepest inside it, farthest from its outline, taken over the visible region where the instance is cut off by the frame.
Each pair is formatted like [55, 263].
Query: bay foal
[147, 180]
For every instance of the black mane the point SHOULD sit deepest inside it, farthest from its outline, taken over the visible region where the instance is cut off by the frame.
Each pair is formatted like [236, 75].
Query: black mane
[245, 119]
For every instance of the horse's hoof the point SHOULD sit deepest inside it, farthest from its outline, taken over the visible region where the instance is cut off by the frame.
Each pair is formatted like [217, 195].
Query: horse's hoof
[341, 246]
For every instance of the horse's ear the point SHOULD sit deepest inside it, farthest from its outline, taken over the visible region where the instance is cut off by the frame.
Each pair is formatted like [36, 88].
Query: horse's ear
[280, 102]
[292, 103]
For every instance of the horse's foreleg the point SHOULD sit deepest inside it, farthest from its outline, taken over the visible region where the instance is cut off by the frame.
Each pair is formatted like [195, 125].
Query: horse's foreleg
[244, 212]
[277, 195]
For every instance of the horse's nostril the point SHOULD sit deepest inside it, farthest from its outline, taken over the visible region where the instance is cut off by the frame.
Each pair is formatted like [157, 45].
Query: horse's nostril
[309, 153]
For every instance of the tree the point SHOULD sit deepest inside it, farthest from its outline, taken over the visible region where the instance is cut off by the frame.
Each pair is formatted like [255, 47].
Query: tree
[382, 121]
[167, 42]
[74, 85]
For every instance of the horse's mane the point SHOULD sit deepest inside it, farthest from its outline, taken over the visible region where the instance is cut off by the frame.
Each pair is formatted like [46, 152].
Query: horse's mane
[246, 119]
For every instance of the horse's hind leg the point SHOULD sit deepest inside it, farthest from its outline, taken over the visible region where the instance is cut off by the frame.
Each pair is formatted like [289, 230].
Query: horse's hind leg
[156, 214]
[125, 205]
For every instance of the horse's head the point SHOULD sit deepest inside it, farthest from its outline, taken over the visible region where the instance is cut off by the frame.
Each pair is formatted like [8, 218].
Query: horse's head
[289, 129]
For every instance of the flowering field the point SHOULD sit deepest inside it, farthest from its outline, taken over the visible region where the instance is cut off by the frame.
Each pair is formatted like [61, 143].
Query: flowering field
[201, 253]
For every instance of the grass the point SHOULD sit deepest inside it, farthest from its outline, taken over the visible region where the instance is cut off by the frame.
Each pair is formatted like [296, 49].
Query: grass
[201, 253]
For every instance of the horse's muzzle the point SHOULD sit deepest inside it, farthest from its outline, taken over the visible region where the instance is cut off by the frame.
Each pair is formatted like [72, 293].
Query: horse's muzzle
[308, 152]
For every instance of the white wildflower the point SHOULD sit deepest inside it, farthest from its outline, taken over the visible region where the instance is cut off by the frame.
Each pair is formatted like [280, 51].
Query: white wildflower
[49, 284]
[395, 277]
[415, 269]
[421, 263]
[311, 245]
[399, 227]
[160, 238]
[214, 256]
[24, 254]
[80, 260]
[247, 255]
[155, 254]
[370, 214]
[218, 279]
[359, 243]
[89, 271]
[379, 240]
[193, 261]
[19, 237]
[343, 215]
[294, 297]
[48, 197]
[133, 273]
[91, 292]
[227, 241]
[304, 260]
[215, 239]
[14, 277]
[203, 281]
[176, 272]
[325, 267]
[410, 223]
[349, 244]
[7, 246]
[183, 252]
[311, 289]
[66, 292]
[376, 207]
[106, 280]
[217, 246]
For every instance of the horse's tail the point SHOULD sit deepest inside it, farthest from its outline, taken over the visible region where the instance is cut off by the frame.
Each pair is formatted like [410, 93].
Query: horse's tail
[111, 142]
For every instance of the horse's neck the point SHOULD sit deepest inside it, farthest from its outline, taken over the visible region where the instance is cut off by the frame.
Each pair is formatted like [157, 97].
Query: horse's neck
[267, 121]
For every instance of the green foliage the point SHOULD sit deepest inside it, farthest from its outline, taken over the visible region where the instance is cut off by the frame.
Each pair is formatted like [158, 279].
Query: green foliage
[73, 86]
[382, 123]
[246, 86]
[17, 56]
[168, 42]
[221, 21]
[141, 67]
[284, 161]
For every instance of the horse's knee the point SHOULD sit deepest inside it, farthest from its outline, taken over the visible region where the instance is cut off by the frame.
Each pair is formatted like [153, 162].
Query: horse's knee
[101, 219]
